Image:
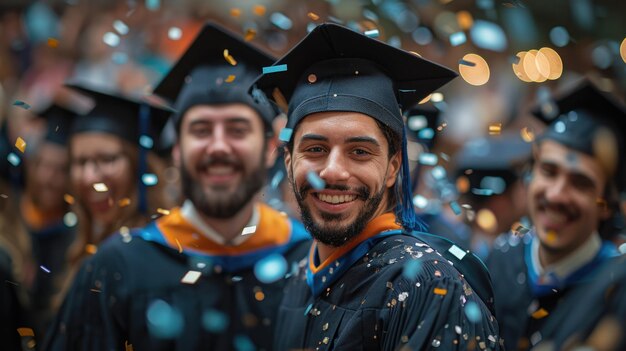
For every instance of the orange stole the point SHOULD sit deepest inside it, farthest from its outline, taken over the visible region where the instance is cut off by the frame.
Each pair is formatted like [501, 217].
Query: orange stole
[36, 219]
[272, 230]
[376, 226]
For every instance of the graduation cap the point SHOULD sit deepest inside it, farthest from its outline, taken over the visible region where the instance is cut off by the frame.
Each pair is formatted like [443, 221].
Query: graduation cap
[581, 121]
[337, 69]
[122, 116]
[217, 68]
[494, 162]
[421, 124]
[59, 123]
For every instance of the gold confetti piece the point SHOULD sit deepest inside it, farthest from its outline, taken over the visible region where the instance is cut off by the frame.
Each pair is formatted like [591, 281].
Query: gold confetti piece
[462, 184]
[259, 296]
[518, 67]
[163, 211]
[313, 16]
[551, 236]
[527, 135]
[486, 220]
[127, 346]
[20, 144]
[440, 291]
[230, 78]
[235, 12]
[555, 63]
[540, 313]
[229, 58]
[91, 249]
[100, 187]
[180, 248]
[191, 277]
[68, 198]
[123, 202]
[325, 340]
[495, 128]
[53, 43]
[25, 332]
[250, 34]
[465, 20]
[259, 10]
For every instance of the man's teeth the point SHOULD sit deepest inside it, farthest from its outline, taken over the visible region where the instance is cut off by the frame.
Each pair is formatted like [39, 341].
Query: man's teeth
[220, 170]
[336, 199]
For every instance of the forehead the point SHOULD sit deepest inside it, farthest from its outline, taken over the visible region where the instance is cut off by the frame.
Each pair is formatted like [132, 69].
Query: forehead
[87, 142]
[571, 160]
[221, 113]
[339, 125]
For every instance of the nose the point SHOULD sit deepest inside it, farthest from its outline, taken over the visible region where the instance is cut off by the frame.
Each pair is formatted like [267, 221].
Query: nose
[335, 169]
[219, 144]
[557, 191]
[91, 174]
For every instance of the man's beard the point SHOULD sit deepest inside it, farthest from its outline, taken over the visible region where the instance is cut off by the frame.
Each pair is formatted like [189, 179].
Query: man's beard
[327, 232]
[221, 203]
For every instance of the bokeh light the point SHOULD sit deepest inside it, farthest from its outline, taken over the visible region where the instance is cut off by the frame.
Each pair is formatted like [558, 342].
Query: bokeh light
[478, 74]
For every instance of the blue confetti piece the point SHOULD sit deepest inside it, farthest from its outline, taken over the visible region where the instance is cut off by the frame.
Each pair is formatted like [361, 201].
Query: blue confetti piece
[412, 269]
[428, 159]
[455, 207]
[281, 21]
[488, 35]
[426, 134]
[14, 159]
[472, 311]
[559, 36]
[372, 33]
[243, 343]
[21, 104]
[316, 182]
[277, 179]
[285, 134]
[214, 321]
[153, 5]
[274, 69]
[308, 309]
[43, 268]
[271, 268]
[164, 321]
[482, 192]
[146, 142]
[457, 38]
[444, 156]
[119, 58]
[149, 179]
[438, 173]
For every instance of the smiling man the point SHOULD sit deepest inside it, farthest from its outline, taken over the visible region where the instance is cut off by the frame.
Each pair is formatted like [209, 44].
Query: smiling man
[371, 282]
[578, 171]
[208, 275]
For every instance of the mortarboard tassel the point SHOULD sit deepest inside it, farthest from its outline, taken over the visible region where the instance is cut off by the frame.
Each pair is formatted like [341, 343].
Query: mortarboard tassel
[404, 209]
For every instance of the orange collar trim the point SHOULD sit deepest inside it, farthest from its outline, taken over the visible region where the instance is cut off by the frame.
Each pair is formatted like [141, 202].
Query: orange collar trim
[36, 219]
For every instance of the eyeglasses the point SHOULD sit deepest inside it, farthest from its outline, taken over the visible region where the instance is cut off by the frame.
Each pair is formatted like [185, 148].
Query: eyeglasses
[105, 163]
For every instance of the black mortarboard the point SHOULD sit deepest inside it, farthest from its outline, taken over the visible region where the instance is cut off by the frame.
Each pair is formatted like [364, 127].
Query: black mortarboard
[492, 163]
[421, 124]
[59, 123]
[583, 115]
[120, 115]
[202, 74]
[337, 69]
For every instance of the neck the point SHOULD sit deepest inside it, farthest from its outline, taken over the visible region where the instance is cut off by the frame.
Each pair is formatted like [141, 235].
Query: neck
[549, 256]
[230, 228]
[324, 251]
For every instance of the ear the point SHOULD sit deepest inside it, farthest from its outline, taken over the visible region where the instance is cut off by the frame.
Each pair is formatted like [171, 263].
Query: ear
[176, 155]
[287, 157]
[394, 168]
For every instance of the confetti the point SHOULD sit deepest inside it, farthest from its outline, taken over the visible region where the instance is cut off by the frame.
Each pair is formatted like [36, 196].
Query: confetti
[285, 134]
[488, 35]
[174, 33]
[436, 97]
[163, 211]
[440, 291]
[153, 5]
[271, 268]
[21, 104]
[308, 309]
[146, 142]
[519, 229]
[428, 159]
[259, 296]
[457, 252]
[486, 220]
[119, 58]
[180, 248]
[527, 135]
[412, 269]
[250, 34]
[14, 159]
[555, 69]
[275, 69]
[313, 16]
[259, 10]
[454, 206]
[248, 230]
[495, 128]
[420, 201]
[100, 187]
[52, 42]
[191, 277]
[111, 39]
[457, 38]
[70, 219]
[436, 343]
[281, 21]
[372, 33]
[316, 182]
[230, 78]
[540, 313]
[426, 134]
[243, 343]
[25, 332]
[123, 202]
[20, 144]
[472, 311]
[164, 321]
[229, 58]
[149, 179]
[44, 268]
[214, 321]
[559, 36]
[235, 12]
[68, 198]
[477, 73]
[551, 236]
[120, 27]
[91, 249]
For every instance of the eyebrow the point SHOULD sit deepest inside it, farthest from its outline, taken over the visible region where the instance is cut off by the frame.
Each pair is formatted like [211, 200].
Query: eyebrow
[231, 120]
[356, 139]
[573, 172]
[316, 137]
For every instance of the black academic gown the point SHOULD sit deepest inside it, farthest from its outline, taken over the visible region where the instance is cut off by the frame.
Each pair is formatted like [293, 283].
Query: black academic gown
[374, 306]
[10, 305]
[522, 314]
[130, 293]
[594, 308]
